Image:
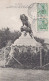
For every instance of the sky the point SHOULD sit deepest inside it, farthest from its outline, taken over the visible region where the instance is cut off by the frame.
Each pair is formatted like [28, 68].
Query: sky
[10, 15]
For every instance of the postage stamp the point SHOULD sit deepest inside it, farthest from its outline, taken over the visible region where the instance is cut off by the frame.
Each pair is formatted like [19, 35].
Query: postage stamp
[42, 17]
[42, 24]
[39, 13]
[42, 9]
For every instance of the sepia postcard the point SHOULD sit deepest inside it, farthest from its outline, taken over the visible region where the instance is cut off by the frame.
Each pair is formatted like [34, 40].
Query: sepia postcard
[24, 40]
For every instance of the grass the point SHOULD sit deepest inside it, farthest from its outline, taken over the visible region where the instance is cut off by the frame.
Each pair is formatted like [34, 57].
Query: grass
[10, 74]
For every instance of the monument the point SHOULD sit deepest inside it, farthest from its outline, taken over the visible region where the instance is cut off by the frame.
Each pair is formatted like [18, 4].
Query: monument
[25, 46]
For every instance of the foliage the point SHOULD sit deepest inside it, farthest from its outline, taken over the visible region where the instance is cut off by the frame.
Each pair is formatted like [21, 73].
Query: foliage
[39, 40]
[6, 35]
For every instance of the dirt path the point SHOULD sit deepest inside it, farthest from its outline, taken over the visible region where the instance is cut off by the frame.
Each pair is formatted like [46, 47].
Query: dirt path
[9, 74]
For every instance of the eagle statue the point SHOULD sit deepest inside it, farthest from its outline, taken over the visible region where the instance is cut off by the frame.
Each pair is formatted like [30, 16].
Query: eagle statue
[26, 25]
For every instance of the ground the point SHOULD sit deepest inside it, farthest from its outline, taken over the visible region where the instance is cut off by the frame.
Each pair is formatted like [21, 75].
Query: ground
[10, 74]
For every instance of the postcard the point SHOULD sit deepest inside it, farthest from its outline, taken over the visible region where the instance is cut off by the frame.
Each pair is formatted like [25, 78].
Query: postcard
[24, 40]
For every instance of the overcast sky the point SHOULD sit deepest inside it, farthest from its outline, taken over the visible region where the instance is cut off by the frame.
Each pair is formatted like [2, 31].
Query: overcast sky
[10, 15]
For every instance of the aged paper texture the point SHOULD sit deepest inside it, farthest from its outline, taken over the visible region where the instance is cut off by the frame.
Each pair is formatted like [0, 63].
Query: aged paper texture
[24, 40]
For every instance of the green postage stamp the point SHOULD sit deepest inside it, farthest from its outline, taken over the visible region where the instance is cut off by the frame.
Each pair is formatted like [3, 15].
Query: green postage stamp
[42, 17]
[39, 13]
[42, 24]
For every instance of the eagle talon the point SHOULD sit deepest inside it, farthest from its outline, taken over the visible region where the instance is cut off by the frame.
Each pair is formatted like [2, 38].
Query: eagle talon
[25, 33]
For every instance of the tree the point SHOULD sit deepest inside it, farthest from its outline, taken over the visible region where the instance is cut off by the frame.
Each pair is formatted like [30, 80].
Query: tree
[6, 35]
